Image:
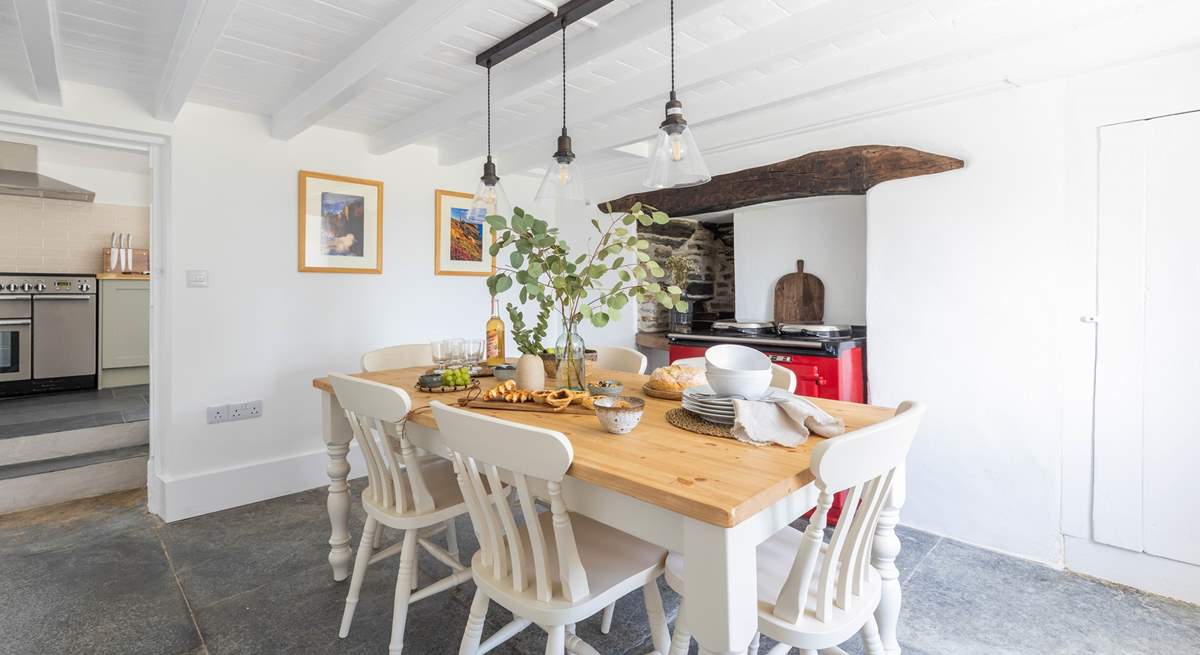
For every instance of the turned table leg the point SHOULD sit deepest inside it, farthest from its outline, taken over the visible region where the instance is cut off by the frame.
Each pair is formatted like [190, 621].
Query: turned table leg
[884, 550]
[337, 435]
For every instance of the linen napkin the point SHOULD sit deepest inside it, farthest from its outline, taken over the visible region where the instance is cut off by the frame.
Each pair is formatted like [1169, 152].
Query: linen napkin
[785, 422]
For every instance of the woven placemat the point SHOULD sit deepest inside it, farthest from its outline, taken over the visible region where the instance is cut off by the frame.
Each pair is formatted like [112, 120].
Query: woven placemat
[685, 420]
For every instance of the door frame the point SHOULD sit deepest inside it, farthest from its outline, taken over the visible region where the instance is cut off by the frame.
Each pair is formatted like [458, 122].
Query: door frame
[157, 147]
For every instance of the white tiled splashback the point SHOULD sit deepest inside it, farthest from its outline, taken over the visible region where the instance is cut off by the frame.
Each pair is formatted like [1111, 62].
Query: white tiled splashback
[61, 236]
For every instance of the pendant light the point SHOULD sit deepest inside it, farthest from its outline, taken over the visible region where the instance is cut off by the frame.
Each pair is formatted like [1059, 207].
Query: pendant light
[564, 178]
[675, 160]
[489, 196]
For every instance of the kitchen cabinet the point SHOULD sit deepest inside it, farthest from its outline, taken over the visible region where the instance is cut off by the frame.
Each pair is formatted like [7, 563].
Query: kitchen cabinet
[124, 332]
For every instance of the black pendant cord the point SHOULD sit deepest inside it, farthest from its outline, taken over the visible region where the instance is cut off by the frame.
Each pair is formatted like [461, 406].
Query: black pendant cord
[564, 80]
[489, 112]
[672, 47]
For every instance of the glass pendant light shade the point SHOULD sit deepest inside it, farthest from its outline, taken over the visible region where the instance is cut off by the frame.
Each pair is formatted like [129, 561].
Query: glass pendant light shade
[675, 160]
[490, 198]
[563, 180]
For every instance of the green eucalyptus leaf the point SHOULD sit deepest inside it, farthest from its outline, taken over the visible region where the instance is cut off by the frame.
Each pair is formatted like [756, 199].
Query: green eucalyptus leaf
[503, 283]
[494, 249]
[624, 275]
[642, 244]
[645, 220]
[628, 219]
[617, 301]
[497, 222]
[654, 287]
[599, 319]
[639, 273]
[535, 269]
[516, 259]
[524, 296]
[522, 277]
[681, 306]
[666, 300]
[596, 224]
[636, 208]
[674, 290]
[660, 217]
[621, 232]
[643, 257]
[517, 211]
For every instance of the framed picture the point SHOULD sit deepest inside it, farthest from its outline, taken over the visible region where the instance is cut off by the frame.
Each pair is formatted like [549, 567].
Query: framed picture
[341, 224]
[461, 240]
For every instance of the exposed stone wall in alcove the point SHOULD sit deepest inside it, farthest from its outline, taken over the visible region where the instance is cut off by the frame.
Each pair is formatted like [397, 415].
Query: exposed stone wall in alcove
[708, 244]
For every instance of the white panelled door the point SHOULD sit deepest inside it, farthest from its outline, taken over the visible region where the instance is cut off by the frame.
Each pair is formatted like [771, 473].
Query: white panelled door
[1146, 489]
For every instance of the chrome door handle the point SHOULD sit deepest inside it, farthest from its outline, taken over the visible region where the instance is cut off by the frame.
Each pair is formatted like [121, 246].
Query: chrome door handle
[16, 322]
[64, 297]
[21, 297]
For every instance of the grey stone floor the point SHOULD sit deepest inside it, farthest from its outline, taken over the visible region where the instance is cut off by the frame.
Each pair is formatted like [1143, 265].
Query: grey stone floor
[73, 410]
[102, 576]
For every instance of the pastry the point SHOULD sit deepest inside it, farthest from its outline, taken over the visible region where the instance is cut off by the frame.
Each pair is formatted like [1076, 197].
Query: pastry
[560, 398]
[676, 378]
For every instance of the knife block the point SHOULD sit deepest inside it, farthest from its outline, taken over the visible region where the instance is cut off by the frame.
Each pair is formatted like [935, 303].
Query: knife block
[141, 261]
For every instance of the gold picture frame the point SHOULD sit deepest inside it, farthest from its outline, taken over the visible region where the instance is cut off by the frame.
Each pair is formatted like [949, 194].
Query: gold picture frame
[340, 224]
[460, 241]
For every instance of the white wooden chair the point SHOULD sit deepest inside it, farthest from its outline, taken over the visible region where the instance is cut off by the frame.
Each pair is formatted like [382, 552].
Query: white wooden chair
[620, 358]
[402, 356]
[814, 595]
[404, 492]
[553, 568]
[781, 376]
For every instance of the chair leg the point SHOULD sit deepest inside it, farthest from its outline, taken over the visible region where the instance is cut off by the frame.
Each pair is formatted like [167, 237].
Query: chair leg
[377, 543]
[681, 640]
[606, 620]
[556, 640]
[660, 633]
[474, 629]
[365, 550]
[408, 557]
[413, 581]
[783, 649]
[872, 644]
[452, 539]
[753, 649]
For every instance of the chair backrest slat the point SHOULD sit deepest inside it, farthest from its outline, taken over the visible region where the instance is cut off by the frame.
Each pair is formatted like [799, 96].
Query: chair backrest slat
[865, 463]
[523, 454]
[537, 540]
[402, 356]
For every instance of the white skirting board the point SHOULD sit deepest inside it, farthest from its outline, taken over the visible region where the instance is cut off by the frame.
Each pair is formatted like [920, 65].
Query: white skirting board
[214, 491]
[1156, 575]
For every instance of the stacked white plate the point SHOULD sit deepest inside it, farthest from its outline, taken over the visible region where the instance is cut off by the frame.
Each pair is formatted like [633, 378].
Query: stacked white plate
[701, 400]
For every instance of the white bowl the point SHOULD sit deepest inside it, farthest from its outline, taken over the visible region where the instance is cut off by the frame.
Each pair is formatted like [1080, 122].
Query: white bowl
[735, 358]
[751, 384]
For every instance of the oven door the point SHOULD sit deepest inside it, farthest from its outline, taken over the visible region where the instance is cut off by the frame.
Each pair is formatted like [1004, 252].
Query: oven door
[64, 331]
[14, 349]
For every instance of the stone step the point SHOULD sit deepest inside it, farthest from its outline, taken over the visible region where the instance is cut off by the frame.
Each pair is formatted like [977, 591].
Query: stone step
[59, 479]
[32, 448]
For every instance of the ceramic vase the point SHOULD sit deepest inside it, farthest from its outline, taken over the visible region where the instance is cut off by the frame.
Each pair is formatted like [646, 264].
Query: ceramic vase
[531, 374]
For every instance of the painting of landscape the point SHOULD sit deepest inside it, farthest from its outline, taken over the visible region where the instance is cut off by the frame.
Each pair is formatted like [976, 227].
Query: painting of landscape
[466, 235]
[342, 225]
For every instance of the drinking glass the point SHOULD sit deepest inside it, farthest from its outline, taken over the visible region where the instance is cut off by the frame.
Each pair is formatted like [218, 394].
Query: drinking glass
[441, 355]
[474, 352]
[456, 352]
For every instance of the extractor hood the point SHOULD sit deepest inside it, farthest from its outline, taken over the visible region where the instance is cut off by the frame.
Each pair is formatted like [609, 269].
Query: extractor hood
[19, 176]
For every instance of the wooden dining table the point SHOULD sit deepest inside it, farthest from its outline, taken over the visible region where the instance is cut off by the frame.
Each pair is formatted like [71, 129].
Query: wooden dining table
[712, 499]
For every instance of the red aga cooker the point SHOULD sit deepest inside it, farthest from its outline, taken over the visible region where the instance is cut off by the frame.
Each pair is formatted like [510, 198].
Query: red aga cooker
[827, 359]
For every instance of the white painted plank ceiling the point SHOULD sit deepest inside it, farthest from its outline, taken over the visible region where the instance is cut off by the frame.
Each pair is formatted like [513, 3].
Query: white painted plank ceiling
[737, 60]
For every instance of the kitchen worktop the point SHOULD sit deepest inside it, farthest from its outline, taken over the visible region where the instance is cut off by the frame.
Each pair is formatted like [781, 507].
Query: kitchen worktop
[122, 276]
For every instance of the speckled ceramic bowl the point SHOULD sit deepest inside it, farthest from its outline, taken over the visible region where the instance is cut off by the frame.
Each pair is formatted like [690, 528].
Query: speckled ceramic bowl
[617, 419]
[605, 388]
[430, 381]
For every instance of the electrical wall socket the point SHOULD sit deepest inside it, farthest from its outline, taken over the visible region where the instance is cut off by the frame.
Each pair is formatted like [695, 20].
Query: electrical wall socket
[247, 410]
[217, 414]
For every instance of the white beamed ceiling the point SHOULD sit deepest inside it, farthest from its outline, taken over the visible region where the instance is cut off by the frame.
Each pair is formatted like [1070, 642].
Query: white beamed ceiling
[736, 59]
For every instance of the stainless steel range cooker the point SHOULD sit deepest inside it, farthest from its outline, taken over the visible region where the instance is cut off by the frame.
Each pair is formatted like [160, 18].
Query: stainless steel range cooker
[47, 333]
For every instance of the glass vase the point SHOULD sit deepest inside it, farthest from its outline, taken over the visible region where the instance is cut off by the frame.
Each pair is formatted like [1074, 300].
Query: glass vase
[570, 355]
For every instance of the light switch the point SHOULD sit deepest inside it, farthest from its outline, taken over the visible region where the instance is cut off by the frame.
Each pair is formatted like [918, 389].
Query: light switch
[197, 278]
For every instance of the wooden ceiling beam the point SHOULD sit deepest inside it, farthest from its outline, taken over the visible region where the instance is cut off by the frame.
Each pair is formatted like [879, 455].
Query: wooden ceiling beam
[844, 172]
[37, 21]
[200, 29]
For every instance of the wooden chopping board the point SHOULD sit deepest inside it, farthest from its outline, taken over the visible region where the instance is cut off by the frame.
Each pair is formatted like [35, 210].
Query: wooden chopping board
[799, 297]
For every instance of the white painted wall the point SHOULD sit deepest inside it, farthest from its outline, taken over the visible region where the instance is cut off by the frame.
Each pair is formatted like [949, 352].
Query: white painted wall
[829, 234]
[112, 186]
[262, 330]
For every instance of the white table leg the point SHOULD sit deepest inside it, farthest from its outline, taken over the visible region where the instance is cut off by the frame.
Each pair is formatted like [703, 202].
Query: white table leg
[884, 550]
[336, 432]
[722, 608]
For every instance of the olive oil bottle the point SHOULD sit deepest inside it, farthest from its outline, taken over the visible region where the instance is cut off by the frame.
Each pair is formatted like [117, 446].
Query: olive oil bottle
[495, 336]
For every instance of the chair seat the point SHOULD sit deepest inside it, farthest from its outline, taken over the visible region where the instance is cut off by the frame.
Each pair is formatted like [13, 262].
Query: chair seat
[442, 484]
[775, 557]
[616, 564]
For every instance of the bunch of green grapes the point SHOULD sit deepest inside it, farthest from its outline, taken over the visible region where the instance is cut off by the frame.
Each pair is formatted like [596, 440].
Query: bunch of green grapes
[456, 377]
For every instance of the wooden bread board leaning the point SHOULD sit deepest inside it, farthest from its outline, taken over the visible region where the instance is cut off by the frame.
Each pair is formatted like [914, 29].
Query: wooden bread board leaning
[799, 297]
[525, 407]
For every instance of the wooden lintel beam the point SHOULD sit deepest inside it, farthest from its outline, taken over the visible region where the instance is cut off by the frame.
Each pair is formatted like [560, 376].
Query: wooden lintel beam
[538, 30]
[842, 172]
